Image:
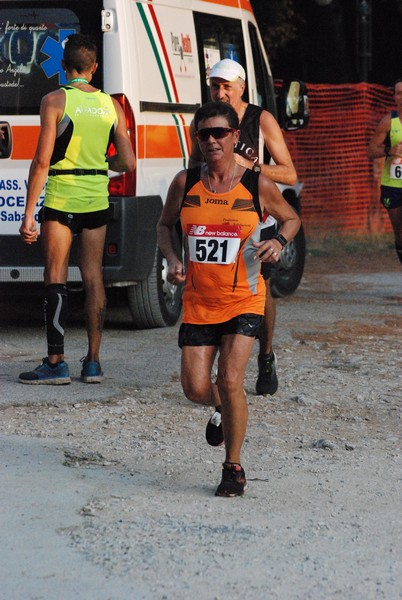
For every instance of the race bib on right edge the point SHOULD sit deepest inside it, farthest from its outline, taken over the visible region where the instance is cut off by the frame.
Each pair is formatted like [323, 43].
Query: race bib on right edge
[395, 169]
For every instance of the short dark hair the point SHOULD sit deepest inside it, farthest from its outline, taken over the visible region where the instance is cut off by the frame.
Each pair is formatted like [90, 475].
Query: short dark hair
[217, 109]
[80, 52]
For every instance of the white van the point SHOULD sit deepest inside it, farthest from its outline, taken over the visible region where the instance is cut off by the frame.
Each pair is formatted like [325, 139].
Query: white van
[154, 58]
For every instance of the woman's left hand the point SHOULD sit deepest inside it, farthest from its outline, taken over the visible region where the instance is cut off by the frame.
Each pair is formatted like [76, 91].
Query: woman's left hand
[268, 251]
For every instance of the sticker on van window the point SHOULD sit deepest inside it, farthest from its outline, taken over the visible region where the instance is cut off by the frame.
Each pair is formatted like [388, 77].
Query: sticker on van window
[54, 50]
[31, 50]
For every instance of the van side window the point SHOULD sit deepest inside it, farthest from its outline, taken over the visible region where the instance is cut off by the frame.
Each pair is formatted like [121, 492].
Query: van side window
[31, 48]
[264, 81]
[217, 38]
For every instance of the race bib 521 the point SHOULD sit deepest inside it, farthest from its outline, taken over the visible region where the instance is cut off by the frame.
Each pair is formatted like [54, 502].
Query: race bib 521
[214, 244]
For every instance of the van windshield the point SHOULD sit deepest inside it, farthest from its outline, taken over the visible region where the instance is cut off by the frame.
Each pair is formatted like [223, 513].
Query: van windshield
[31, 49]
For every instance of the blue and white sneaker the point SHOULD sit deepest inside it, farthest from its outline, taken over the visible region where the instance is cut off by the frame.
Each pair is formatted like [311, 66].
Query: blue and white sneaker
[91, 371]
[45, 374]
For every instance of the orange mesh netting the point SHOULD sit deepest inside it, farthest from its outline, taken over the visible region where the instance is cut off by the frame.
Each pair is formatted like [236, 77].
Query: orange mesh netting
[341, 185]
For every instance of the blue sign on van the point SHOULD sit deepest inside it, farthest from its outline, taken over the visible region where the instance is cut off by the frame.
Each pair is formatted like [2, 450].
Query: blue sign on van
[52, 65]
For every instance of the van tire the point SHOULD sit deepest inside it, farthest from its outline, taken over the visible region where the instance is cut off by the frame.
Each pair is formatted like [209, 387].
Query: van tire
[287, 273]
[154, 302]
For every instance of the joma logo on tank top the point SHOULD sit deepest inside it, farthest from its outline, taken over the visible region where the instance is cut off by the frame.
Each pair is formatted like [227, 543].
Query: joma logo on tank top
[216, 201]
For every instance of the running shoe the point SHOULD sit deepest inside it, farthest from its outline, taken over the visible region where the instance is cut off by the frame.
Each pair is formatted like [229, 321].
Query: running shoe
[233, 481]
[214, 430]
[91, 371]
[267, 382]
[46, 374]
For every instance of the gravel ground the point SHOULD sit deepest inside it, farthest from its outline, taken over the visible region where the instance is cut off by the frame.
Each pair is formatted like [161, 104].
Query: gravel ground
[108, 491]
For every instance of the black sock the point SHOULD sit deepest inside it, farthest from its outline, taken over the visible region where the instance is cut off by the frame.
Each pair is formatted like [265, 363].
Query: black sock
[55, 316]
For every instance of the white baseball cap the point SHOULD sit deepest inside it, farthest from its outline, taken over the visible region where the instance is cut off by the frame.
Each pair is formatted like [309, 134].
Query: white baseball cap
[227, 69]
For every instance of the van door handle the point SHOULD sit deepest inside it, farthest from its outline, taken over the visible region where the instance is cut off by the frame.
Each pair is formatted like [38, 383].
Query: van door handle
[6, 140]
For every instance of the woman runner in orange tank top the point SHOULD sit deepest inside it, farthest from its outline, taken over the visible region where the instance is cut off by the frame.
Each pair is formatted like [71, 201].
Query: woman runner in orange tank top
[220, 206]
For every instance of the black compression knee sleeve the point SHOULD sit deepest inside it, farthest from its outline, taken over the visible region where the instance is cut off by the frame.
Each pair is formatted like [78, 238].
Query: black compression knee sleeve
[55, 316]
[399, 252]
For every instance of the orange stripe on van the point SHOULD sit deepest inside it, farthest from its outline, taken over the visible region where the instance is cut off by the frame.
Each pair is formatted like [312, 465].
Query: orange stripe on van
[158, 141]
[245, 4]
[25, 139]
[153, 141]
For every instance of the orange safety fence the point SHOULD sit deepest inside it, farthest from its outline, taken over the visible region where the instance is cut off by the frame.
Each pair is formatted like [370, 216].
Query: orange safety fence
[341, 185]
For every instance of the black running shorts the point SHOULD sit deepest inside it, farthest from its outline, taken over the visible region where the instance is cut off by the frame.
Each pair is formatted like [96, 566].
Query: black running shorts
[391, 197]
[76, 221]
[210, 335]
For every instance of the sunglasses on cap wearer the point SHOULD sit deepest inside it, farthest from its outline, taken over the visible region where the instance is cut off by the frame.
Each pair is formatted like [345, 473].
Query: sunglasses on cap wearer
[216, 132]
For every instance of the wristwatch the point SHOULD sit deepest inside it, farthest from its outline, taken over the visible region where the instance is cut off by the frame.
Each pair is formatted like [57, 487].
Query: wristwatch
[256, 168]
[281, 239]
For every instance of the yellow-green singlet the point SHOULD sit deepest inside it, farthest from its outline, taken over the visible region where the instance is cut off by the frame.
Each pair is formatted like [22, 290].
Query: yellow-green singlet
[83, 136]
[392, 172]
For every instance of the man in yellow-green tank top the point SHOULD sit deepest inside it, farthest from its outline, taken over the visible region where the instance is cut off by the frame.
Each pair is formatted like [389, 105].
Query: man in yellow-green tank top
[84, 133]
[387, 141]
[78, 123]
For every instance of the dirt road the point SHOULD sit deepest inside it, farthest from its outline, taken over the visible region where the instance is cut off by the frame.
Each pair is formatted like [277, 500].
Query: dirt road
[107, 491]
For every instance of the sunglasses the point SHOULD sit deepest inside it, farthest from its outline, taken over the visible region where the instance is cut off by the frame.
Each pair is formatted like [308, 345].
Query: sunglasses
[216, 132]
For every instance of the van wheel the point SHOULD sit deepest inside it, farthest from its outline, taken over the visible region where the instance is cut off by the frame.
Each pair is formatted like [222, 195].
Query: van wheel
[287, 273]
[155, 302]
